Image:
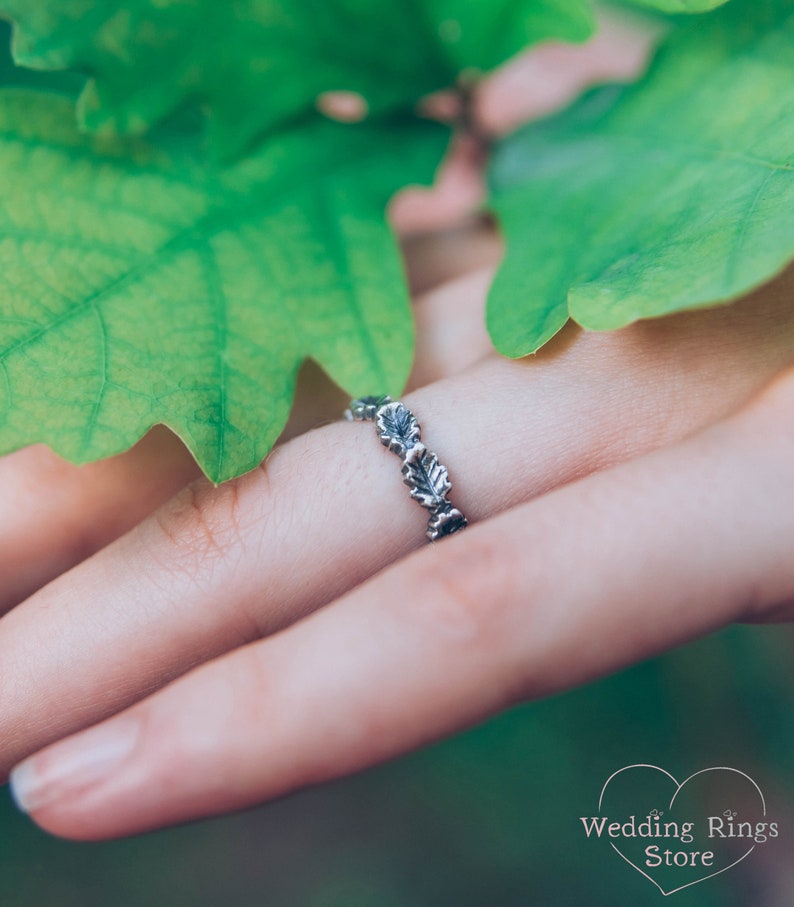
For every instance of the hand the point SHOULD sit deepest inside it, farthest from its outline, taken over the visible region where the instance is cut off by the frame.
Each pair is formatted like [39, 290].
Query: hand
[552, 589]
[670, 453]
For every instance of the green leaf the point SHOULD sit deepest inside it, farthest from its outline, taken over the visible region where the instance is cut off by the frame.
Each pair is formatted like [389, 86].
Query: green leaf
[257, 64]
[674, 193]
[140, 286]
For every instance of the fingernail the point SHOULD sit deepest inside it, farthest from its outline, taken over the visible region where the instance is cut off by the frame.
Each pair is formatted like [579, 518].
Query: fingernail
[72, 766]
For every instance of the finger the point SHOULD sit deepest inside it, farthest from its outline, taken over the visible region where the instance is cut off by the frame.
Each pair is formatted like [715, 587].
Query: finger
[602, 573]
[450, 328]
[435, 259]
[54, 514]
[216, 568]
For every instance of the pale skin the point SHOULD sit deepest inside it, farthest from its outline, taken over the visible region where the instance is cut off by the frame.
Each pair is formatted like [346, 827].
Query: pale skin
[172, 650]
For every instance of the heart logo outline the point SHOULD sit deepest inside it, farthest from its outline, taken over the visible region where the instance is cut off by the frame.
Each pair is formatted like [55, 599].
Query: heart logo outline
[715, 768]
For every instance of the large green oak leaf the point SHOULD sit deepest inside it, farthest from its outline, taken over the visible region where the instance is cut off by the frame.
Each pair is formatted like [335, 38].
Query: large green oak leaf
[672, 194]
[255, 65]
[139, 285]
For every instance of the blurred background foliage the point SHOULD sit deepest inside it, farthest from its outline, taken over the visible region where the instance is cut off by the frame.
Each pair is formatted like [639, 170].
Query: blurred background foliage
[65, 82]
[487, 819]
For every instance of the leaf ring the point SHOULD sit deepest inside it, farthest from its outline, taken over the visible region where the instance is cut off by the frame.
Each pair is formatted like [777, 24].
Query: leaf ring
[428, 481]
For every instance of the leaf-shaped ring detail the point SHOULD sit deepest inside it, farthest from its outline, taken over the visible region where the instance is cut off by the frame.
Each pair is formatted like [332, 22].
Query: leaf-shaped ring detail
[427, 479]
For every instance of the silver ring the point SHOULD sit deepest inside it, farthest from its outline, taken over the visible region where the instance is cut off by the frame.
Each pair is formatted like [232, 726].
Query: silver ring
[428, 481]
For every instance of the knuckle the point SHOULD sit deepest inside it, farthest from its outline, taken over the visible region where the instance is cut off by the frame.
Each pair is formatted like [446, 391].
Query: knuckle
[202, 519]
[467, 590]
[202, 527]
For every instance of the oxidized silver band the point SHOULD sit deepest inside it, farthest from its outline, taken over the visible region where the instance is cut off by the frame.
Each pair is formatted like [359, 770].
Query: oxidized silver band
[427, 479]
